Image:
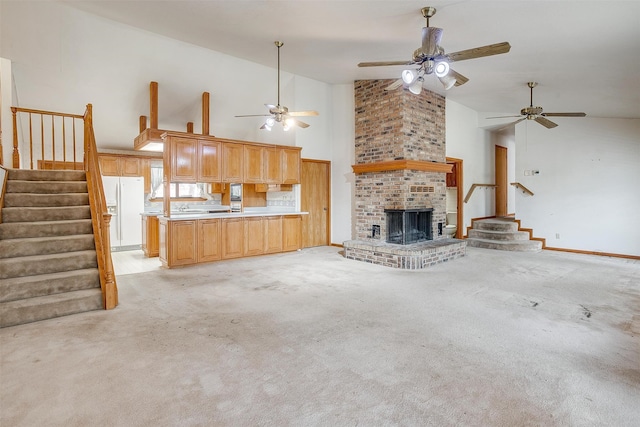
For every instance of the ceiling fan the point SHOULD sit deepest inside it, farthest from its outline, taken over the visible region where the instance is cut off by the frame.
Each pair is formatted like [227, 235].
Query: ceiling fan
[535, 113]
[431, 58]
[279, 113]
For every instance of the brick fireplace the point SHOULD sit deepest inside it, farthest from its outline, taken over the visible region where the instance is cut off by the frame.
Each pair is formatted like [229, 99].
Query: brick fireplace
[400, 166]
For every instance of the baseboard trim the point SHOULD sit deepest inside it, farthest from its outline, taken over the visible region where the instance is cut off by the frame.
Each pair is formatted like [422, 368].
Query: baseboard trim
[337, 245]
[579, 251]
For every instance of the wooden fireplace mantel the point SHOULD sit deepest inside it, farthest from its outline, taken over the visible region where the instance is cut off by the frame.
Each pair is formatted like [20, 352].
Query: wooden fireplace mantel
[395, 165]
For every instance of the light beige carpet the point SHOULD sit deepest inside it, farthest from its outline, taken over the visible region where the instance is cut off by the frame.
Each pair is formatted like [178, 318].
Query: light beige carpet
[312, 339]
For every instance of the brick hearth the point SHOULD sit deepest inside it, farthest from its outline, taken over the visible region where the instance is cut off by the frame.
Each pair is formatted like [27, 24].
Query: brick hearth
[400, 164]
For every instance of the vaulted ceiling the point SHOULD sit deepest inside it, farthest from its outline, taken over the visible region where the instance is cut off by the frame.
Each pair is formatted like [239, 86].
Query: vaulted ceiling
[584, 54]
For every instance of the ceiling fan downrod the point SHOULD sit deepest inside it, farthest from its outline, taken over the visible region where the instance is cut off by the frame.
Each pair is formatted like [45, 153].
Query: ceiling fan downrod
[428, 12]
[279, 45]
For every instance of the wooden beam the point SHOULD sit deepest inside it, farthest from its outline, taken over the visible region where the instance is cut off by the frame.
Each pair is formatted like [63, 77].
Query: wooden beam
[153, 103]
[205, 113]
[143, 123]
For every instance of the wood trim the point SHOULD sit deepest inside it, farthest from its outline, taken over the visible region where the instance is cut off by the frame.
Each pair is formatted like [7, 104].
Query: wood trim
[46, 113]
[394, 165]
[579, 251]
[146, 136]
[459, 190]
[337, 245]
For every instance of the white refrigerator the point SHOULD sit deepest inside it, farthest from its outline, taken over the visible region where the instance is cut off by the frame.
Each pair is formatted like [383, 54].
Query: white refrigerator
[125, 202]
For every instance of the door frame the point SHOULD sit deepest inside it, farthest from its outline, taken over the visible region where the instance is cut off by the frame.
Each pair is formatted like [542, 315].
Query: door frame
[501, 155]
[328, 184]
[460, 197]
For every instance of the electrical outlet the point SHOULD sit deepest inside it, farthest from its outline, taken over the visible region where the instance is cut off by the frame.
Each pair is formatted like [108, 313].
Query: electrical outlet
[527, 173]
[557, 235]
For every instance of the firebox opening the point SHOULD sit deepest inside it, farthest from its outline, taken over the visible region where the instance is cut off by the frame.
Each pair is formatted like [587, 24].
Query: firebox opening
[406, 226]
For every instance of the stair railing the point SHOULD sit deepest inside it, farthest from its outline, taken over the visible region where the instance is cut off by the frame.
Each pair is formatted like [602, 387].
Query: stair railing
[3, 187]
[100, 218]
[524, 189]
[50, 139]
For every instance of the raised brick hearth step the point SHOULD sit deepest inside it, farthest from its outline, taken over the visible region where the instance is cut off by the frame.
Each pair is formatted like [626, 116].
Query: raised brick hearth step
[501, 234]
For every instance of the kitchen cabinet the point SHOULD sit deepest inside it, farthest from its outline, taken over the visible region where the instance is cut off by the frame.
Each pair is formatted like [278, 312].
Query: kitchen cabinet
[184, 159]
[253, 164]
[119, 165]
[209, 245]
[291, 233]
[233, 162]
[253, 236]
[272, 165]
[272, 234]
[218, 188]
[150, 236]
[290, 163]
[210, 161]
[232, 238]
[182, 241]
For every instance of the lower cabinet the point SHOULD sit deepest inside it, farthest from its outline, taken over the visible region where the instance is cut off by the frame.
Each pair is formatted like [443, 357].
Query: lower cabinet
[150, 236]
[209, 243]
[232, 237]
[184, 242]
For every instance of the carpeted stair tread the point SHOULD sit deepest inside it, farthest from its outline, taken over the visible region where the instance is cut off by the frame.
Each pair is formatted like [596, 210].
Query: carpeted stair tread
[16, 230]
[498, 235]
[50, 263]
[11, 248]
[30, 214]
[506, 245]
[495, 225]
[46, 175]
[44, 200]
[46, 187]
[17, 288]
[50, 306]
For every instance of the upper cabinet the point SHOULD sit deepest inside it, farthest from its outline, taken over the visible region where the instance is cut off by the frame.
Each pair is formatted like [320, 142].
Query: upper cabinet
[233, 162]
[253, 164]
[210, 158]
[199, 158]
[123, 165]
[290, 166]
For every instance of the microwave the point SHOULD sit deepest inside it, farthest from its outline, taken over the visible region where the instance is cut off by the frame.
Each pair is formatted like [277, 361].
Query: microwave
[235, 192]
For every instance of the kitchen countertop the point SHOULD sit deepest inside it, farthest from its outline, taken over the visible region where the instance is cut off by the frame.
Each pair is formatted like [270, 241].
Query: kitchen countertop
[206, 215]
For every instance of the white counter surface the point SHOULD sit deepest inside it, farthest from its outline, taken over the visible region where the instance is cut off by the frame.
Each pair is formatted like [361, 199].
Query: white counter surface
[190, 216]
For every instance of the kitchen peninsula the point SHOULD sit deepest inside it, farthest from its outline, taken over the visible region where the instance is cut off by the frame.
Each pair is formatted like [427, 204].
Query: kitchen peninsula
[187, 238]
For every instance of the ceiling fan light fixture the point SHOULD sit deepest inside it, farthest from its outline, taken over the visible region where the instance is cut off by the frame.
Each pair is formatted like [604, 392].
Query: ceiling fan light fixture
[290, 121]
[409, 76]
[441, 69]
[447, 81]
[286, 126]
[416, 87]
[270, 121]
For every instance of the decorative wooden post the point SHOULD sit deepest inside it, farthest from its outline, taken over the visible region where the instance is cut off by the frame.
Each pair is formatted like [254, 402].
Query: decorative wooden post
[153, 102]
[143, 123]
[16, 153]
[205, 113]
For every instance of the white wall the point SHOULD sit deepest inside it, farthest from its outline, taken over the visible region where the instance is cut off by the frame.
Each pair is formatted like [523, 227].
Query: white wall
[342, 176]
[475, 146]
[5, 111]
[587, 190]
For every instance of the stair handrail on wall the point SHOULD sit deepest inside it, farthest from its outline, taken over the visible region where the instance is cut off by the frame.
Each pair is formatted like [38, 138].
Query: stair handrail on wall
[522, 187]
[100, 218]
[68, 149]
[474, 186]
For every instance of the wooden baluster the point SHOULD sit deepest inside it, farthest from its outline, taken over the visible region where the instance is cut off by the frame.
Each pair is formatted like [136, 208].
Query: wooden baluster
[42, 136]
[16, 153]
[31, 140]
[53, 143]
[64, 142]
[73, 123]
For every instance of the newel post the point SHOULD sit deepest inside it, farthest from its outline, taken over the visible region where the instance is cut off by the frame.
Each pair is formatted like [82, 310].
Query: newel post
[16, 153]
[110, 288]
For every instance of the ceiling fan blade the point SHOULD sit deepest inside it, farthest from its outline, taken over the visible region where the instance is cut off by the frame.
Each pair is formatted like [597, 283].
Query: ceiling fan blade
[563, 114]
[501, 117]
[460, 79]
[255, 115]
[302, 113]
[545, 122]
[270, 106]
[431, 40]
[300, 124]
[511, 124]
[395, 85]
[384, 63]
[478, 52]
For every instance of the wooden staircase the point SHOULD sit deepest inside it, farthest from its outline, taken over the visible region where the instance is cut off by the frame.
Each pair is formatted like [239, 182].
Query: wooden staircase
[48, 262]
[503, 234]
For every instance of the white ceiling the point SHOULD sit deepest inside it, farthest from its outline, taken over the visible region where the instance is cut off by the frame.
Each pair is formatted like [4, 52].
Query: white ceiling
[584, 54]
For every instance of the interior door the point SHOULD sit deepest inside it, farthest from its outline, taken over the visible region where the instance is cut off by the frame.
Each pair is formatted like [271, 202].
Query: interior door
[315, 187]
[501, 180]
